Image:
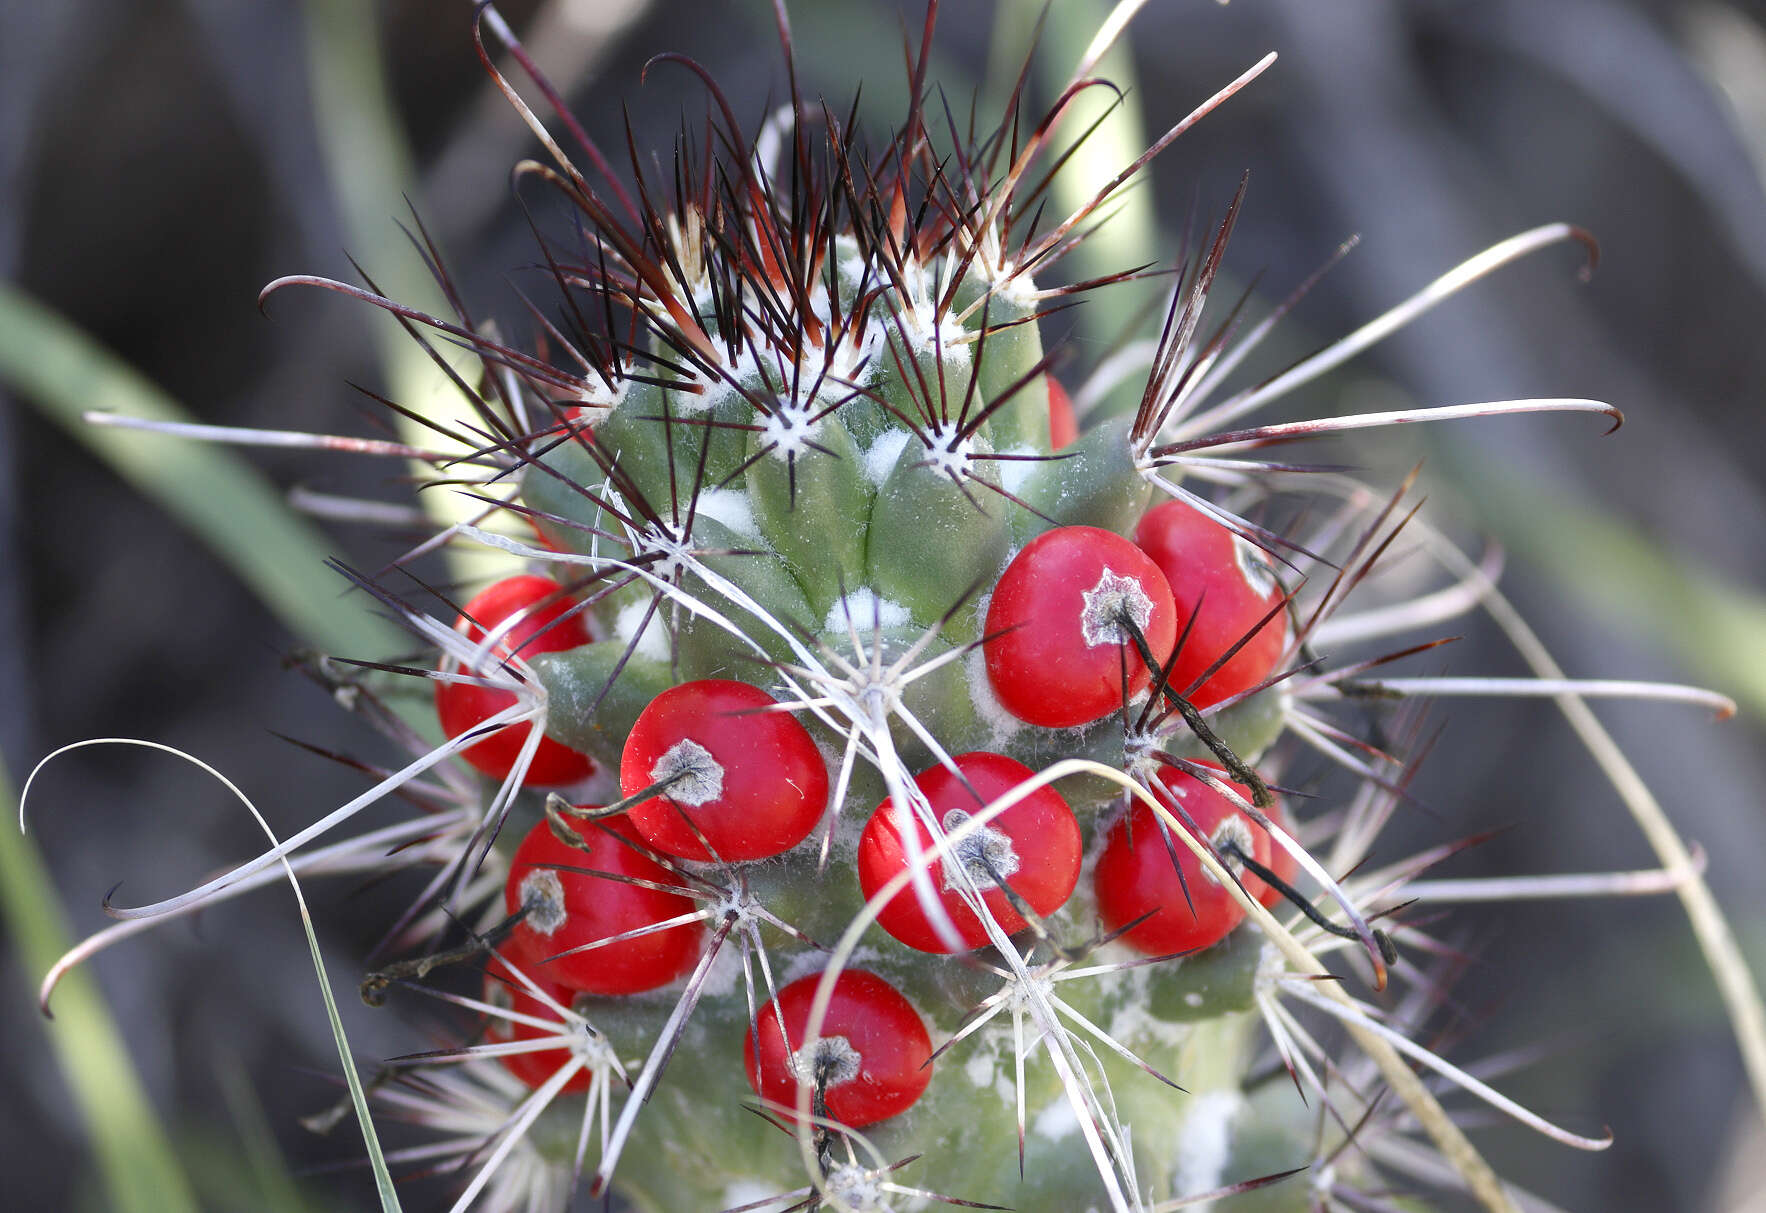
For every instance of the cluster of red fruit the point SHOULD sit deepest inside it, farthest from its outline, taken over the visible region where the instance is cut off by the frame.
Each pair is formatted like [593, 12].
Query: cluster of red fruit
[1080, 617]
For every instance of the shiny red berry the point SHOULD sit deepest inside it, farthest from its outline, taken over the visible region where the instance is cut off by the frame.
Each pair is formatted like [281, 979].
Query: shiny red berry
[576, 897]
[462, 706]
[1138, 869]
[1035, 846]
[750, 781]
[1057, 648]
[1228, 586]
[873, 1054]
[506, 992]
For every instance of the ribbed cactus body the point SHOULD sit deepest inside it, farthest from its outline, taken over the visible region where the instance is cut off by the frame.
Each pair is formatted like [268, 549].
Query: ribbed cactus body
[914, 774]
[830, 495]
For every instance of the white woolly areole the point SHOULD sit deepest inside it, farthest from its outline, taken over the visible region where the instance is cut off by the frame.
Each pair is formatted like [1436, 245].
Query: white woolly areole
[1204, 1143]
[1003, 282]
[1105, 603]
[862, 610]
[853, 1187]
[654, 642]
[1253, 567]
[836, 1052]
[701, 776]
[716, 386]
[1020, 289]
[981, 854]
[542, 895]
[598, 396]
[668, 552]
[883, 454]
[949, 454]
[788, 429]
[728, 506]
[850, 363]
[920, 321]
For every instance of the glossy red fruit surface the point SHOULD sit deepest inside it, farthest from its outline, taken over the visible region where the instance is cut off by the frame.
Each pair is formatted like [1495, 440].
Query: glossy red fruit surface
[463, 707]
[1055, 655]
[873, 1044]
[503, 989]
[582, 896]
[1138, 869]
[755, 783]
[1035, 845]
[1229, 587]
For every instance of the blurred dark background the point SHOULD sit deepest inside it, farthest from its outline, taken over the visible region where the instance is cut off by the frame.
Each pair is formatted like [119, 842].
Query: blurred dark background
[159, 162]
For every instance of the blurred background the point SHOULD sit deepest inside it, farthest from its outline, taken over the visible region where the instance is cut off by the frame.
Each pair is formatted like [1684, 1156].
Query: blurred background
[161, 160]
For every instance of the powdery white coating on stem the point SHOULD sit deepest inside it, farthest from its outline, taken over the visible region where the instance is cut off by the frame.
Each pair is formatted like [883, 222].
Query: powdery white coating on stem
[1204, 1144]
[1133, 1021]
[728, 506]
[1014, 474]
[1001, 723]
[1106, 603]
[654, 641]
[740, 1193]
[701, 777]
[725, 977]
[1055, 1121]
[861, 609]
[983, 1063]
[882, 454]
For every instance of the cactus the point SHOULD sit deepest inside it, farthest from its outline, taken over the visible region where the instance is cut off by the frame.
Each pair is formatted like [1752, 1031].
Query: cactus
[879, 797]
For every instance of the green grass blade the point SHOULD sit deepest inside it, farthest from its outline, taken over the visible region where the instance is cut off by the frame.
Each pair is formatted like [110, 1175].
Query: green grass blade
[1134, 225]
[389, 1201]
[136, 1163]
[272, 1188]
[389, 1197]
[231, 507]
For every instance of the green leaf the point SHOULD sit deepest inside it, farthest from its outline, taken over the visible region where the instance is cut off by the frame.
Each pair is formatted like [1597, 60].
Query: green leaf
[226, 503]
[136, 1164]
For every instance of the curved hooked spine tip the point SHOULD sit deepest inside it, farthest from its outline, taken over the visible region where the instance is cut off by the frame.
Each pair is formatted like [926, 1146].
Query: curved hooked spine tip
[286, 280]
[711, 86]
[1590, 246]
[1618, 417]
